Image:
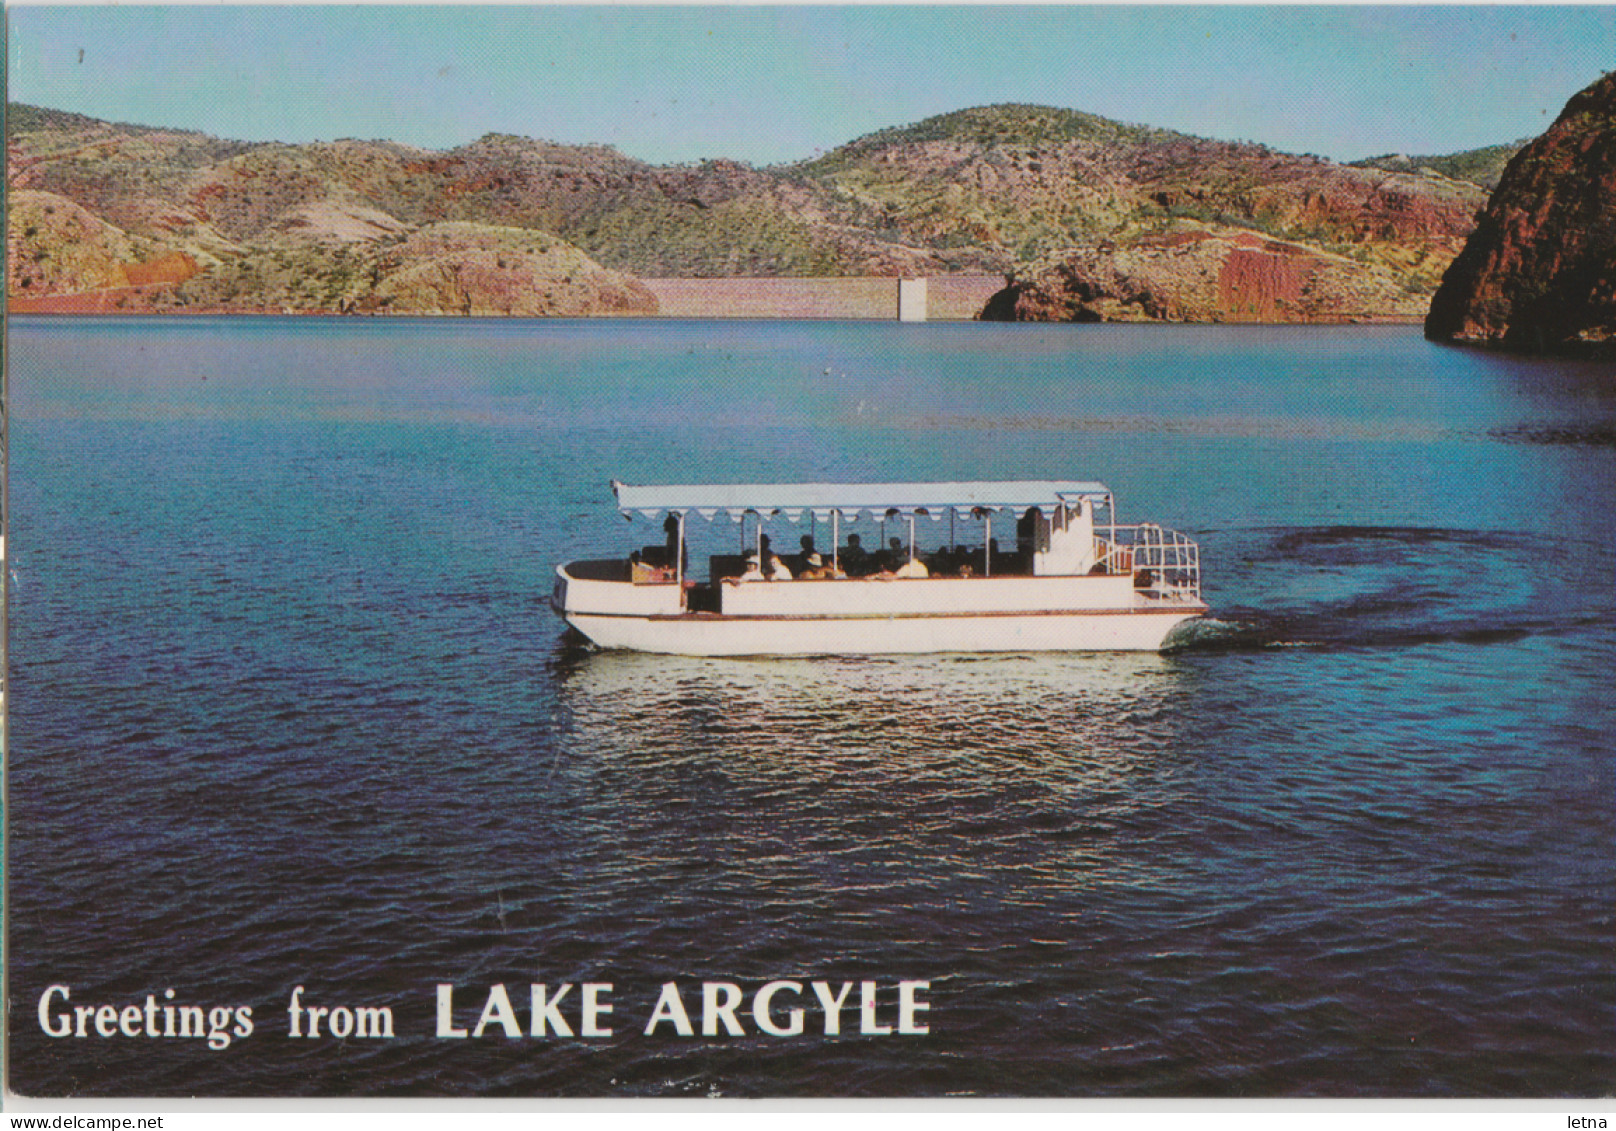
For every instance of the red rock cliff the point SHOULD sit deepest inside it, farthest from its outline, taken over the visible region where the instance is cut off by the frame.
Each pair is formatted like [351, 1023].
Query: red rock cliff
[1539, 273]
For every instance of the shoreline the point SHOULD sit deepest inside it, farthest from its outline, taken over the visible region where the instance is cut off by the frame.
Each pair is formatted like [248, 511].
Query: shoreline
[951, 298]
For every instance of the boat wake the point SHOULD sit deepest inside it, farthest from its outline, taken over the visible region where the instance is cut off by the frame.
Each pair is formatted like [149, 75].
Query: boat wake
[1389, 587]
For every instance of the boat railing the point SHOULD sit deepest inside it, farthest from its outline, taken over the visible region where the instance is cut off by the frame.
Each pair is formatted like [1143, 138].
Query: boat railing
[1163, 562]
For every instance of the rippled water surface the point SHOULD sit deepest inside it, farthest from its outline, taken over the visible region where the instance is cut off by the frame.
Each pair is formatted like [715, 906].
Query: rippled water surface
[289, 709]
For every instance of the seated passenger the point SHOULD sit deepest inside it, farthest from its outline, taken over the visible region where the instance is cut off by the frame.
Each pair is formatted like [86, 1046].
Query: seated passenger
[914, 567]
[751, 573]
[898, 563]
[854, 558]
[908, 568]
[813, 568]
[638, 572]
[894, 555]
[777, 569]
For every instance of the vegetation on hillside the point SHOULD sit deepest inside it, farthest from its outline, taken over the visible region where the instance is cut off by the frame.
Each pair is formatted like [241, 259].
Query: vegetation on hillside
[1481, 167]
[980, 190]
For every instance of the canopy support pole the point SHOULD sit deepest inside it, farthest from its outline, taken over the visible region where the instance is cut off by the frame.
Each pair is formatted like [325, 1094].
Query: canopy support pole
[987, 545]
[679, 555]
[911, 537]
[836, 541]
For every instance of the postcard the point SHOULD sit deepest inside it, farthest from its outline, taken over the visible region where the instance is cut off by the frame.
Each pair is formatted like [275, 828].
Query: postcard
[809, 552]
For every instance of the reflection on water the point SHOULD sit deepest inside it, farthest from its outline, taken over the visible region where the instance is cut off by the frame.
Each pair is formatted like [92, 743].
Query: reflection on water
[1055, 714]
[949, 760]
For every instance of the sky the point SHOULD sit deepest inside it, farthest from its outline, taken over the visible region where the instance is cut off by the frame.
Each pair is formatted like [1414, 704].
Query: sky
[776, 84]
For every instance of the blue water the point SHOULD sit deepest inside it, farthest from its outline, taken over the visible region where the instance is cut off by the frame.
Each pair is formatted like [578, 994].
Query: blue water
[288, 707]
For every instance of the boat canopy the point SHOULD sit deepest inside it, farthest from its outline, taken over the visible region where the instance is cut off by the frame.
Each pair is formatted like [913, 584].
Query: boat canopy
[851, 499]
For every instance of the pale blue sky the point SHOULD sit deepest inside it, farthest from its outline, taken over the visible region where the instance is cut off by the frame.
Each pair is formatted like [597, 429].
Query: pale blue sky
[774, 84]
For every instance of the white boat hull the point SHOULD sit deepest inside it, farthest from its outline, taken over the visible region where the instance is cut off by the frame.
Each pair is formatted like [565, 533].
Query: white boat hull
[706, 634]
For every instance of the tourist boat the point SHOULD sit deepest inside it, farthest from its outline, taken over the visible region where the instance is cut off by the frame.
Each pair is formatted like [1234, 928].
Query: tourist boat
[1076, 580]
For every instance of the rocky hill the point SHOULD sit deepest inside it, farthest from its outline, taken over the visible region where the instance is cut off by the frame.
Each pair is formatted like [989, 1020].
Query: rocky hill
[1539, 273]
[1021, 182]
[1203, 273]
[320, 259]
[989, 190]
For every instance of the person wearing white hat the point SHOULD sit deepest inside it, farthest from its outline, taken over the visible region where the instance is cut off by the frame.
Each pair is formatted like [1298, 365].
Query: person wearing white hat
[817, 570]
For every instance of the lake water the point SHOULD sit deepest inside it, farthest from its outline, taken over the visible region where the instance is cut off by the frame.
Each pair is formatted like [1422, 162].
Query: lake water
[289, 708]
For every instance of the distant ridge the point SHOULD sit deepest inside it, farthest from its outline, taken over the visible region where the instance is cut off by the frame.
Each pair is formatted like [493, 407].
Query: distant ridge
[1004, 124]
[986, 190]
[1480, 167]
